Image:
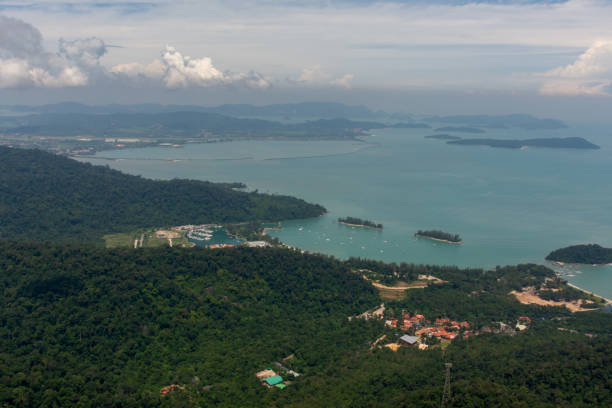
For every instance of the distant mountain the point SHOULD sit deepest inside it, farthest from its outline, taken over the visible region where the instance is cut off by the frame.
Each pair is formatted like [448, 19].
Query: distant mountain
[47, 197]
[180, 125]
[461, 129]
[521, 121]
[304, 110]
[555, 143]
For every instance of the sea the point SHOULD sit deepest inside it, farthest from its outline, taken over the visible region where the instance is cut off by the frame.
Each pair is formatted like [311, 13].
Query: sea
[510, 206]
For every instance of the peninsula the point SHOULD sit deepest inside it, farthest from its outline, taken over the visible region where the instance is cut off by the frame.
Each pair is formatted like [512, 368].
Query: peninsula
[438, 235]
[554, 143]
[443, 136]
[582, 254]
[462, 129]
[358, 222]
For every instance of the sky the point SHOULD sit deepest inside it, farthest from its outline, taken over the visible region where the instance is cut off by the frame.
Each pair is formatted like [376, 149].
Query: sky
[433, 57]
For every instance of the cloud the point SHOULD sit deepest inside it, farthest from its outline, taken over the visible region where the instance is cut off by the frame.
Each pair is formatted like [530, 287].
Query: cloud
[25, 63]
[83, 52]
[317, 75]
[344, 81]
[314, 74]
[176, 70]
[590, 74]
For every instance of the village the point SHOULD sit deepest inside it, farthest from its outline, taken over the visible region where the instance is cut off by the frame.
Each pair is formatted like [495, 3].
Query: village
[416, 330]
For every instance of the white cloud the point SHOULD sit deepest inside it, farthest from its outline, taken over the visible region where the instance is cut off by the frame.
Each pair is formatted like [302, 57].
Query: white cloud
[176, 70]
[317, 75]
[84, 52]
[314, 74]
[344, 81]
[24, 62]
[590, 74]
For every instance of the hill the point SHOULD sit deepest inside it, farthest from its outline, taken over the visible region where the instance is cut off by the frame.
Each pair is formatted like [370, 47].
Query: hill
[48, 197]
[94, 327]
[301, 110]
[521, 121]
[583, 254]
[553, 143]
[91, 327]
[94, 129]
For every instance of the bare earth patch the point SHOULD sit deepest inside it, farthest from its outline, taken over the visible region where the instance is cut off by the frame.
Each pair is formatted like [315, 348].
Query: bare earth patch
[529, 296]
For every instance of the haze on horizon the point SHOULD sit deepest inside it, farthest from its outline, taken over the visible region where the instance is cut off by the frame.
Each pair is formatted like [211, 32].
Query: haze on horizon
[545, 57]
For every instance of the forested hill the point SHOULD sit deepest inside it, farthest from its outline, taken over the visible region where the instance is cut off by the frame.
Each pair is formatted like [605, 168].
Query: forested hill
[584, 254]
[179, 125]
[91, 327]
[48, 197]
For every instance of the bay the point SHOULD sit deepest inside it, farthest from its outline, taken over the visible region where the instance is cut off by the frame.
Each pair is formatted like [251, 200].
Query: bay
[509, 206]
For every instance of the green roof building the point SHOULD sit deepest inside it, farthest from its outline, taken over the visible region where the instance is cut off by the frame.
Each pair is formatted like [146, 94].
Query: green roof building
[281, 386]
[276, 379]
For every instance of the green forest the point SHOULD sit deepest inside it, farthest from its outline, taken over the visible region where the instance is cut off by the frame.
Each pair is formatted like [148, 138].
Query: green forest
[437, 234]
[86, 326]
[360, 222]
[583, 254]
[48, 197]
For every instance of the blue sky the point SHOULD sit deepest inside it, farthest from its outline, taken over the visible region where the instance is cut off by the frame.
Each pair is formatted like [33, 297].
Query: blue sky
[537, 49]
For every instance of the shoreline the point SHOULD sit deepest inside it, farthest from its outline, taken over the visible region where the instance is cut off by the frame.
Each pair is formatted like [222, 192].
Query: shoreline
[608, 301]
[561, 263]
[359, 225]
[438, 239]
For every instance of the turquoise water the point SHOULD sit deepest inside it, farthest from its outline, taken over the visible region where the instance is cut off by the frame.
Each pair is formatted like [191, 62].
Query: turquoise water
[509, 206]
[219, 237]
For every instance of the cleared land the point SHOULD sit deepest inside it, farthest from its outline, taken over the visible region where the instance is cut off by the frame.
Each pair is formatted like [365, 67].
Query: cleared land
[150, 238]
[529, 296]
[398, 291]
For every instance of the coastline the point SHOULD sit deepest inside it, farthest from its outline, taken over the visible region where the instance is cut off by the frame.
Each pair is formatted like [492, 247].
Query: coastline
[438, 239]
[359, 225]
[608, 301]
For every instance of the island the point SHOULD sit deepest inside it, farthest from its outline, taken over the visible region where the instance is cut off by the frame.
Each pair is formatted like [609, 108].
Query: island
[582, 254]
[438, 235]
[404, 125]
[525, 122]
[554, 143]
[443, 136]
[463, 129]
[358, 222]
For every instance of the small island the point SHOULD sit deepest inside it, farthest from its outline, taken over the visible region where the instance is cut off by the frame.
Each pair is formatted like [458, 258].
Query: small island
[358, 222]
[462, 129]
[554, 143]
[592, 254]
[443, 136]
[438, 235]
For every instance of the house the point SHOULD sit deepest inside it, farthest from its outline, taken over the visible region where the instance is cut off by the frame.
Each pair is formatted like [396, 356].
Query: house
[391, 323]
[272, 381]
[257, 244]
[407, 324]
[408, 340]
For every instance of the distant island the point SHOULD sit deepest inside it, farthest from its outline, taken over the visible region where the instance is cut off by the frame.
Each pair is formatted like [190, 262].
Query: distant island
[404, 125]
[463, 129]
[443, 136]
[358, 222]
[554, 143]
[438, 235]
[521, 121]
[582, 254]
